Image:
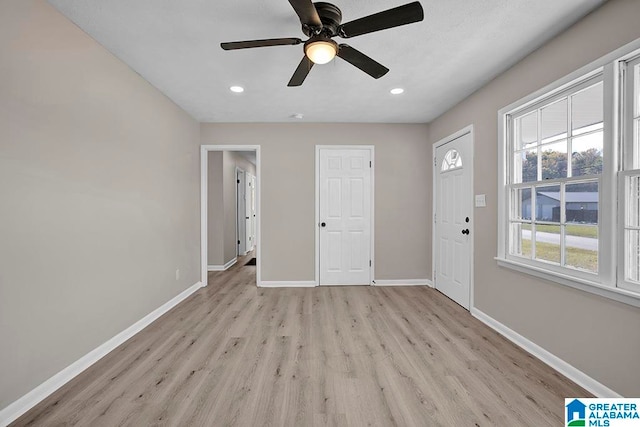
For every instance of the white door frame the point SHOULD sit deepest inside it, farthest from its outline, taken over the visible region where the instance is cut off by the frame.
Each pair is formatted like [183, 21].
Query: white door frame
[436, 170]
[204, 170]
[371, 149]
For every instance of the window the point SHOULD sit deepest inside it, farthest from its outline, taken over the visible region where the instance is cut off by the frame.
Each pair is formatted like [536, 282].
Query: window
[629, 268]
[557, 148]
[569, 200]
[451, 161]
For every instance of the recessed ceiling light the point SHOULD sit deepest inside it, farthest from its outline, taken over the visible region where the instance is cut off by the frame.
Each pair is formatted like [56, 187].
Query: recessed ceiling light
[236, 89]
[396, 91]
[297, 116]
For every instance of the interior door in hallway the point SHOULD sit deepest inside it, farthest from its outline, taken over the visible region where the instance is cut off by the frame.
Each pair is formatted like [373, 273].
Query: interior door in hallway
[241, 211]
[249, 181]
[344, 213]
[452, 222]
[253, 211]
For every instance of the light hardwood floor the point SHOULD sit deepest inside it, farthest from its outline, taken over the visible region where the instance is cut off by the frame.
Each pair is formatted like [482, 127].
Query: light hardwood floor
[234, 354]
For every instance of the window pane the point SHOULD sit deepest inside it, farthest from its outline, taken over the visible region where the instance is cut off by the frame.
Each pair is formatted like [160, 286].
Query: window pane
[554, 120]
[520, 240]
[632, 264]
[547, 204]
[632, 214]
[581, 246]
[526, 166]
[637, 90]
[632, 237]
[452, 160]
[636, 144]
[521, 200]
[554, 160]
[581, 202]
[586, 108]
[548, 243]
[586, 156]
[526, 130]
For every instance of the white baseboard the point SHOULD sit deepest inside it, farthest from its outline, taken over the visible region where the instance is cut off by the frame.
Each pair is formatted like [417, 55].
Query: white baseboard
[569, 371]
[222, 267]
[38, 394]
[406, 282]
[312, 283]
[281, 284]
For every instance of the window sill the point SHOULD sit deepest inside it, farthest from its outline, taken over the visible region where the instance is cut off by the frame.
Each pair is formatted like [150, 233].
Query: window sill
[616, 294]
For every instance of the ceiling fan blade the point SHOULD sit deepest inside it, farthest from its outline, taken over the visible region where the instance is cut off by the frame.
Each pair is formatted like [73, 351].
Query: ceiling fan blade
[259, 43]
[362, 61]
[307, 13]
[401, 15]
[301, 72]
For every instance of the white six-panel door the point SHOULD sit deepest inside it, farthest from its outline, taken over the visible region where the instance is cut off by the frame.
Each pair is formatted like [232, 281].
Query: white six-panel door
[241, 211]
[344, 213]
[253, 211]
[452, 224]
[248, 211]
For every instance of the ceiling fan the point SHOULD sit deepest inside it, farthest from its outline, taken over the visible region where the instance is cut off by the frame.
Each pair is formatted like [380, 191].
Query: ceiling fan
[321, 22]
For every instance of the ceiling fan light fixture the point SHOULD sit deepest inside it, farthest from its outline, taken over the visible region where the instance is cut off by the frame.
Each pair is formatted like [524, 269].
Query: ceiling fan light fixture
[321, 51]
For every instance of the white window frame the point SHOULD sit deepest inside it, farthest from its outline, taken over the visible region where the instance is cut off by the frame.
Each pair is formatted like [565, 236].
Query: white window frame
[605, 282]
[630, 162]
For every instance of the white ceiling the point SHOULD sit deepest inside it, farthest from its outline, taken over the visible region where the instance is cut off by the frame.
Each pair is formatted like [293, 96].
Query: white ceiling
[461, 45]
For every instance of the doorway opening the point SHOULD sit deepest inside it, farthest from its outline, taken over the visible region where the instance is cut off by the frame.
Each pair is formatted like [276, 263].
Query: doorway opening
[230, 210]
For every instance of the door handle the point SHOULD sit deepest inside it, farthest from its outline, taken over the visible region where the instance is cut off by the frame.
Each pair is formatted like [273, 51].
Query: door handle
[465, 231]
[323, 224]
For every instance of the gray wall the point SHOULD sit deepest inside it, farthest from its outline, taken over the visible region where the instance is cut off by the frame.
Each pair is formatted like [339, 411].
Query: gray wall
[596, 335]
[402, 193]
[99, 177]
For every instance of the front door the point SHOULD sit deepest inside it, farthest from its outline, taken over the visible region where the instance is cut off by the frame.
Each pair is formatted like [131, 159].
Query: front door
[452, 222]
[344, 212]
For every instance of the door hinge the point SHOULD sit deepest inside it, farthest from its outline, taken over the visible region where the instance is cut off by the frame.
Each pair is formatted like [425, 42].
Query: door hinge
[238, 241]
[435, 161]
[369, 263]
[238, 181]
[369, 163]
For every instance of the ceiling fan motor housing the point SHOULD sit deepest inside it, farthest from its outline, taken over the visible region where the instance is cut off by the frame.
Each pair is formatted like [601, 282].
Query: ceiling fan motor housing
[331, 17]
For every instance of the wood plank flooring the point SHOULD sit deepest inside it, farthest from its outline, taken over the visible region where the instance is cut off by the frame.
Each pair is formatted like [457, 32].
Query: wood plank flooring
[237, 355]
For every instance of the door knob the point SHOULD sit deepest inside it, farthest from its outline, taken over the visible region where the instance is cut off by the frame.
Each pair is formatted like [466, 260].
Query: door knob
[465, 231]
[323, 224]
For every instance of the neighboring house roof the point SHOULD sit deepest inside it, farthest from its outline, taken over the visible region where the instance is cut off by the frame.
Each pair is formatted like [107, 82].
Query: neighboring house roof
[571, 197]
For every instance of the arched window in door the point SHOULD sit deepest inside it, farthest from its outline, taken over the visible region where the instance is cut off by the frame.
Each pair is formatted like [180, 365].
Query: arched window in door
[451, 161]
